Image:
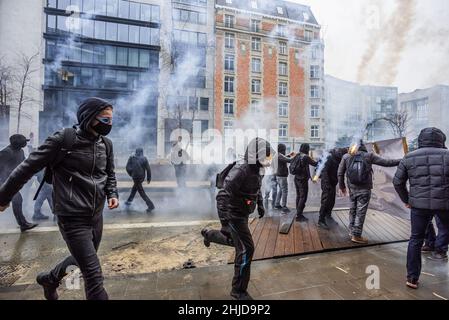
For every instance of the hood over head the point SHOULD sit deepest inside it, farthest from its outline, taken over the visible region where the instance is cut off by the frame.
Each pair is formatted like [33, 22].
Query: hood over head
[18, 141]
[88, 109]
[258, 151]
[305, 148]
[432, 138]
[139, 152]
[282, 148]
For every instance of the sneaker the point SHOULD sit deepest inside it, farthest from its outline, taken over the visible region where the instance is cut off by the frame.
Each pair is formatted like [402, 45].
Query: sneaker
[28, 226]
[359, 240]
[437, 256]
[241, 296]
[204, 234]
[323, 225]
[301, 218]
[39, 216]
[285, 210]
[427, 249]
[50, 289]
[412, 283]
[278, 207]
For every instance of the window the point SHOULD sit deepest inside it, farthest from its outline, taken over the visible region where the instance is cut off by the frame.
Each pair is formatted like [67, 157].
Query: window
[255, 107]
[229, 62]
[315, 111]
[283, 109]
[100, 7]
[255, 86]
[283, 69]
[62, 24]
[282, 30]
[145, 35]
[255, 44]
[315, 53]
[283, 89]
[88, 28]
[134, 34]
[315, 91]
[133, 57]
[63, 4]
[229, 106]
[100, 30]
[229, 40]
[100, 54]
[123, 9]
[111, 55]
[51, 23]
[314, 131]
[111, 31]
[144, 59]
[255, 25]
[229, 84]
[155, 14]
[204, 104]
[256, 65]
[112, 8]
[308, 35]
[87, 55]
[283, 130]
[280, 10]
[229, 21]
[122, 56]
[314, 72]
[283, 47]
[193, 103]
[134, 10]
[123, 32]
[51, 3]
[145, 12]
[228, 127]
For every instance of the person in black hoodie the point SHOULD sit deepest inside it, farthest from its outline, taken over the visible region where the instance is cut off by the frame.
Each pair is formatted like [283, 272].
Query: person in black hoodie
[329, 182]
[235, 202]
[82, 179]
[10, 158]
[138, 168]
[427, 171]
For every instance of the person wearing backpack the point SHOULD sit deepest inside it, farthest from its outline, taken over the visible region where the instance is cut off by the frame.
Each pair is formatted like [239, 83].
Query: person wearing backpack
[138, 168]
[10, 158]
[427, 172]
[357, 167]
[329, 182]
[300, 168]
[81, 162]
[281, 172]
[239, 194]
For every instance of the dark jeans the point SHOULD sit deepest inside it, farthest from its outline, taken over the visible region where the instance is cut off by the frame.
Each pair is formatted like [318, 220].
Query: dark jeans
[302, 192]
[180, 173]
[357, 213]
[82, 236]
[137, 187]
[420, 220]
[329, 192]
[17, 202]
[235, 233]
[46, 193]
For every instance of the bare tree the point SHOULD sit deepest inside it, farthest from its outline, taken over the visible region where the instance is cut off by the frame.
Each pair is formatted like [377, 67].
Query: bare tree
[22, 80]
[398, 121]
[5, 88]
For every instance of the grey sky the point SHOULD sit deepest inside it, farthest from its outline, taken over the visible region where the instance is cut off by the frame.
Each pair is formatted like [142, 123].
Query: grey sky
[408, 37]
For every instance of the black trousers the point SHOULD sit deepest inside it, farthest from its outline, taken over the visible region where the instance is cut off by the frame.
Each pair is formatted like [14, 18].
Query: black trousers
[137, 187]
[328, 195]
[180, 173]
[302, 192]
[17, 203]
[82, 236]
[235, 233]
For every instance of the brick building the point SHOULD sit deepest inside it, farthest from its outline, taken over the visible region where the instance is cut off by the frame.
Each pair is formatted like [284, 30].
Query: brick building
[269, 65]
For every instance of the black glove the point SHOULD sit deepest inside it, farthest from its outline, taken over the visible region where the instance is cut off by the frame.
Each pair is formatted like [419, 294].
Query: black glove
[261, 212]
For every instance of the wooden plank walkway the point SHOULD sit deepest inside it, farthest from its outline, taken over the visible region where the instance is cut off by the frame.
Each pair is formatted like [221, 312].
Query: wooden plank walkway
[306, 237]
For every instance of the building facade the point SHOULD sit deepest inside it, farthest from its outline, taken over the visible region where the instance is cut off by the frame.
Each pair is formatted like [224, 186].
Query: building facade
[269, 70]
[426, 108]
[354, 111]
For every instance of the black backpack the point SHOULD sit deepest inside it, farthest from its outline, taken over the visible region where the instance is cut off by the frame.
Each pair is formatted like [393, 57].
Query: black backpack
[358, 170]
[296, 165]
[69, 137]
[219, 182]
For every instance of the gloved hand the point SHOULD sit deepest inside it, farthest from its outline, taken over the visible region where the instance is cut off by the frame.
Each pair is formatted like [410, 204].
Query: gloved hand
[261, 212]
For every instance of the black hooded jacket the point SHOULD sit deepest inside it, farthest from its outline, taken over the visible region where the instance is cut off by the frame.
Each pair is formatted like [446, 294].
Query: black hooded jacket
[427, 170]
[329, 175]
[84, 178]
[11, 157]
[138, 167]
[281, 165]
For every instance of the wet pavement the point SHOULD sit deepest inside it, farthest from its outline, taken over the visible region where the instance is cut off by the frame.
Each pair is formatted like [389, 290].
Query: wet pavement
[335, 275]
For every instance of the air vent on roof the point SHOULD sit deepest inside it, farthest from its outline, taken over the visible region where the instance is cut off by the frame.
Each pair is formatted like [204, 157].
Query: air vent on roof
[306, 16]
[280, 10]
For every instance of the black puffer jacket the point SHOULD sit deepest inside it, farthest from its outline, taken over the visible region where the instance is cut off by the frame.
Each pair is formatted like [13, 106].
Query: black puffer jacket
[85, 177]
[427, 169]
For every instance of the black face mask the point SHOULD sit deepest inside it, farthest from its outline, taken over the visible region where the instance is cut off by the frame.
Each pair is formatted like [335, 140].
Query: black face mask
[102, 129]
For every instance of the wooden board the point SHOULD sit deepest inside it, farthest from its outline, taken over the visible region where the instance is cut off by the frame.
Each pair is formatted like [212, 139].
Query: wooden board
[306, 237]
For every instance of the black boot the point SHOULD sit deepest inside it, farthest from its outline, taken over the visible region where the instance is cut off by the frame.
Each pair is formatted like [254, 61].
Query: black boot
[331, 220]
[204, 234]
[323, 225]
[28, 226]
[241, 295]
[50, 288]
[301, 218]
